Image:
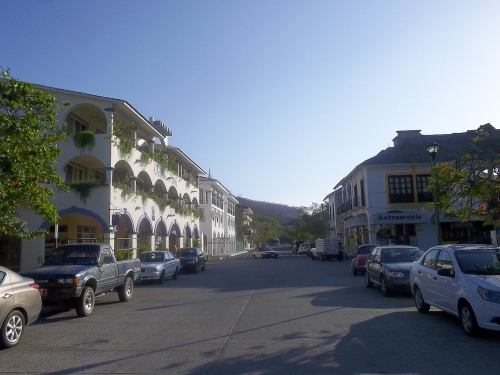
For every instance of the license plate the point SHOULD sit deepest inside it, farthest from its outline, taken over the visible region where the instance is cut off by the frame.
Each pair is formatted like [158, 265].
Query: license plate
[43, 292]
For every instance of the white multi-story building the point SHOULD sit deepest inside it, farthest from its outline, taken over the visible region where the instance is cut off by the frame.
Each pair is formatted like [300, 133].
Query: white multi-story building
[218, 223]
[131, 189]
[383, 200]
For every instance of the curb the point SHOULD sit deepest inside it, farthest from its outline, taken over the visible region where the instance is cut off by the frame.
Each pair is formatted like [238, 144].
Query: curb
[220, 256]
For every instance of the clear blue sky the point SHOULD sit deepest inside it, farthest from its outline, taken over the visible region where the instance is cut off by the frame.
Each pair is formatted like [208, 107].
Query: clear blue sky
[279, 99]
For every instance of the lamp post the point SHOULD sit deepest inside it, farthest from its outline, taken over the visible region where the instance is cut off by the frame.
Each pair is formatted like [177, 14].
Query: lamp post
[432, 150]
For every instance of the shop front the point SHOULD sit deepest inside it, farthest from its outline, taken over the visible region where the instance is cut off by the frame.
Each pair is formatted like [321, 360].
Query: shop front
[397, 228]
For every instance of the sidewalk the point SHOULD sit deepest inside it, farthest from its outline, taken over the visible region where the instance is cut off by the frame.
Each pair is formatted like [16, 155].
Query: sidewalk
[228, 255]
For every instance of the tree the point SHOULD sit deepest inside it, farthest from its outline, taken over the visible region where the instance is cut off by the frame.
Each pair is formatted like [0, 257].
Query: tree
[469, 188]
[264, 228]
[242, 228]
[28, 150]
[311, 223]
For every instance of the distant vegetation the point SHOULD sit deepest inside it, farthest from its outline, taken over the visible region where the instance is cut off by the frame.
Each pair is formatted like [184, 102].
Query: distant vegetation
[285, 222]
[283, 213]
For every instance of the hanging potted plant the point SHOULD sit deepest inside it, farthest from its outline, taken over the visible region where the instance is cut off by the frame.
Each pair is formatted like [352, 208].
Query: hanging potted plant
[84, 140]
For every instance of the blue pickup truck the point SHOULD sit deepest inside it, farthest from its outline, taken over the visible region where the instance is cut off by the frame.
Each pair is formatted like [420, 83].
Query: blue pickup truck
[75, 274]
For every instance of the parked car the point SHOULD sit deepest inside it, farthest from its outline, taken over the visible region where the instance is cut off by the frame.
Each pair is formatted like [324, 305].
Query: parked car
[75, 274]
[389, 267]
[265, 253]
[157, 265]
[191, 259]
[463, 280]
[304, 248]
[360, 255]
[296, 246]
[20, 306]
[483, 239]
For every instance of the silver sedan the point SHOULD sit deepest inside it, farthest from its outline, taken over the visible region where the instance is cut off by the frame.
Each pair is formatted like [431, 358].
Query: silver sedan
[157, 265]
[20, 305]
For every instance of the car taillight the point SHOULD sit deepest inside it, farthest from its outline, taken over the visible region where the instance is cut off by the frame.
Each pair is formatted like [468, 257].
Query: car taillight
[35, 286]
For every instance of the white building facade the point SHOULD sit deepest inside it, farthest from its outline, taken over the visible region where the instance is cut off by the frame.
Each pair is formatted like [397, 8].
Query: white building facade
[131, 189]
[384, 199]
[218, 222]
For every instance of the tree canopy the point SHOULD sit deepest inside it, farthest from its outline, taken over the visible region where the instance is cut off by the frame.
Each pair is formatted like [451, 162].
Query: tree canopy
[469, 187]
[265, 228]
[311, 223]
[28, 149]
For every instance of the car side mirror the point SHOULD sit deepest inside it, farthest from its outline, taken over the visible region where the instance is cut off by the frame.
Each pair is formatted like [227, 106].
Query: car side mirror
[446, 272]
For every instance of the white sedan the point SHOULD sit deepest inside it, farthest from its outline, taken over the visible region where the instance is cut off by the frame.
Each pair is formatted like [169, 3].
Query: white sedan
[463, 280]
[157, 265]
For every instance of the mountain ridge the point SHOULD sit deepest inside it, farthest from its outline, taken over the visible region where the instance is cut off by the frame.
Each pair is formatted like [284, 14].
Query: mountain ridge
[281, 212]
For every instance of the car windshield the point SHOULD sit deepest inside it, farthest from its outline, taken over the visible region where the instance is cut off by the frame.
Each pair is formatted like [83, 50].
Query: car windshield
[152, 257]
[186, 253]
[365, 249]
[401, 254]
[2, 276]
[86, 255]
[481, 262]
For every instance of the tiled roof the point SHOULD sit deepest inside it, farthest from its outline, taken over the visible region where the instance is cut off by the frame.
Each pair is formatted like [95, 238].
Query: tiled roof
[410, 147]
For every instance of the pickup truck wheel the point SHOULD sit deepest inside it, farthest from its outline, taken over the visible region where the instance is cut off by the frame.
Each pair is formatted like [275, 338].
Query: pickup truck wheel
[203, 267]
[12, 329]
[176, 274]
[354, 272]
[86, 302]
[196, 267]
[126, 290]
[162, 277]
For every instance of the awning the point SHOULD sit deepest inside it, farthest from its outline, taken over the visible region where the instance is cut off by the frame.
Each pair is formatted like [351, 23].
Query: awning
[357, 220]
[398, 218]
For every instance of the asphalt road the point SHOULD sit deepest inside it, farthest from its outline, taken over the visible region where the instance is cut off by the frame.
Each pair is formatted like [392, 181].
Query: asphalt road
[242, 315]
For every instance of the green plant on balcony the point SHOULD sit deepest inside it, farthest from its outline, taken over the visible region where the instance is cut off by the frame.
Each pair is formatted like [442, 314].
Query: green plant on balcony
[172, 165]
[161, 159]
[84, 140]
[123, 131]
[197, 212]
[127, 190]
[145, 158]
[196, 242]
[162, 203]
[144, 195]
[83, 189]
[179, 208]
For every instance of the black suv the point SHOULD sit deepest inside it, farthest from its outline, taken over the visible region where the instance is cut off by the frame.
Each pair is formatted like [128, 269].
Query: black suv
[192, 259]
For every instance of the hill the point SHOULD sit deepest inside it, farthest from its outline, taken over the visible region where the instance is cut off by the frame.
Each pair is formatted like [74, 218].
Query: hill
[281, 212]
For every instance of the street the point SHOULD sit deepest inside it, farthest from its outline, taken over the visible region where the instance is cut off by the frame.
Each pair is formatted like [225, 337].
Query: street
[289, 315]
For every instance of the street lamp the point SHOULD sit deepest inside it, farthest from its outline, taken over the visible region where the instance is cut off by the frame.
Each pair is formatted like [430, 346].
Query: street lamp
[432, 150]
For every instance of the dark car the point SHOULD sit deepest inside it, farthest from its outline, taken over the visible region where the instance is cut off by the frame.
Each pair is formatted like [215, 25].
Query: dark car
[192, 259]
[358, 264]
[265, 253]
[389, 267]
